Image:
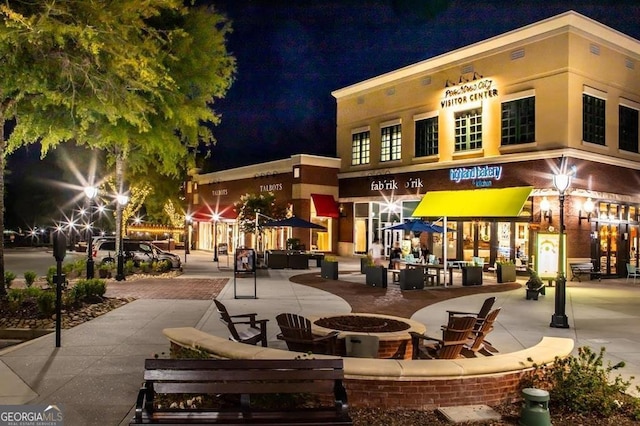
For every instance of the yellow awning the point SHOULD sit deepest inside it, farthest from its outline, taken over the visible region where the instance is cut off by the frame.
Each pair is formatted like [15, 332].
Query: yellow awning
[490, 202]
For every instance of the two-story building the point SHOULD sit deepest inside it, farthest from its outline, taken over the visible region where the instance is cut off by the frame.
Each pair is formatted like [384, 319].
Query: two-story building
[504, 113]
[501, 113]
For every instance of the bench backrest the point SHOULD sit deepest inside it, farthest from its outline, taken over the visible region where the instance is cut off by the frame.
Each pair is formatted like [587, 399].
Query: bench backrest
[582, 266]
[209, 376]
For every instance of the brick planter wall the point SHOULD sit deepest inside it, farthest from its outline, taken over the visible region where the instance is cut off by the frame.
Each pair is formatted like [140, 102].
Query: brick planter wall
[431, 394]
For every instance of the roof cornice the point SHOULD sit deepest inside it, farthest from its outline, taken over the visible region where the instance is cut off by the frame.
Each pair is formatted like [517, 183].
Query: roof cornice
[570, 21]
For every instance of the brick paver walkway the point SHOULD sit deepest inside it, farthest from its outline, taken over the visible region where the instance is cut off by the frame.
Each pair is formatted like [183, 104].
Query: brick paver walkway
[154, 288]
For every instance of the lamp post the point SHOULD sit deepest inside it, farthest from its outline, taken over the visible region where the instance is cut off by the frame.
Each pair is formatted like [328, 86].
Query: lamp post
[90, 192]
[122, 200]
[215, 217]
[187, 223]
[561, 182]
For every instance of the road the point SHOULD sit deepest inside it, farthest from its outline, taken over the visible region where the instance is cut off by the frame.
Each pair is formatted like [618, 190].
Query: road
[20, 260]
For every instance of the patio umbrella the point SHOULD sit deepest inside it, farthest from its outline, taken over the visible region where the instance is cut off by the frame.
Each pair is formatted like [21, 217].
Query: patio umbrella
[293, 222]
[416, 225]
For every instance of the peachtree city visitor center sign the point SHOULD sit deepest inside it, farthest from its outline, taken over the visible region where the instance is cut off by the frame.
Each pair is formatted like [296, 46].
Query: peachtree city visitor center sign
[473, 91]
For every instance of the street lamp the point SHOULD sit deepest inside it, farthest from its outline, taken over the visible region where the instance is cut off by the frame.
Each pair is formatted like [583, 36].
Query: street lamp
[215, 217]
[90, 192]
[561, 182]
[122, 200]
[187, 224]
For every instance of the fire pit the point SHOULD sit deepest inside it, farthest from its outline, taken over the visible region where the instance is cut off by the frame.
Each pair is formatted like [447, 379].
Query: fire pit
[393, 332]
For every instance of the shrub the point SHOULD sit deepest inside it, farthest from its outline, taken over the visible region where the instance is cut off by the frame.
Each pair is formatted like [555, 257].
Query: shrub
[129, 266]
[46, 303]
[30, 278]
[51, 272]
[145, 267]
[15, 297]
[161, 266]
[583, 385]
[67, 268]
[32, 292]
[80, 266]
[8, 278]
[94, 287]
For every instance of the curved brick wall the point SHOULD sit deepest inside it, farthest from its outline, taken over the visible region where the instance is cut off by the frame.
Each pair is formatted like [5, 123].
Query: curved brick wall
[414, 384]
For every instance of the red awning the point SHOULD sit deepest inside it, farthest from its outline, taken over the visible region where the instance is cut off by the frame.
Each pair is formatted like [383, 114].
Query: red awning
[206, 213]
[326, 205]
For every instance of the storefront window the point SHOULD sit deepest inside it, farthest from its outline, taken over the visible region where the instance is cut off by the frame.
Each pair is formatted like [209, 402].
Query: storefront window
[320, 239]
[504, 241]
[360, 225]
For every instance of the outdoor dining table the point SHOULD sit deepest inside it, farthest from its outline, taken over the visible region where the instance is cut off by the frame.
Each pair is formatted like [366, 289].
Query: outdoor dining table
[436, 267]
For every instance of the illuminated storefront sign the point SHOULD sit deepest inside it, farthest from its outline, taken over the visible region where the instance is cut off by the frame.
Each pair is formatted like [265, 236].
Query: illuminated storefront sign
[482, 176]
[271, 187]
[468, 92]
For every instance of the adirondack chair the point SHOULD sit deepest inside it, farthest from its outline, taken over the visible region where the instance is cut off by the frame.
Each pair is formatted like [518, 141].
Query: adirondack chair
[478, 343]
[254, 331]
[454, 336]
[295, 330]
[480, 315]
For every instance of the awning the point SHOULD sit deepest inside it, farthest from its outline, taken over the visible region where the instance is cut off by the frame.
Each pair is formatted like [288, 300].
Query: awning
[490, 202]
[325, 205]
[206, 213]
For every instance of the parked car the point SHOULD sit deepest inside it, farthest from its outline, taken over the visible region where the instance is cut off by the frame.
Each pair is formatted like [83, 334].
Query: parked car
[104, 250]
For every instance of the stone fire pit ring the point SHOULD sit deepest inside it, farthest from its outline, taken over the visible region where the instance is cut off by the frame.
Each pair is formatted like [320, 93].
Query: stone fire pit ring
[390, 341]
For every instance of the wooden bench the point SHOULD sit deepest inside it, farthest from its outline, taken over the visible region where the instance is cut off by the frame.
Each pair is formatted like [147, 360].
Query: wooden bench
[244, 391]
[584, 268]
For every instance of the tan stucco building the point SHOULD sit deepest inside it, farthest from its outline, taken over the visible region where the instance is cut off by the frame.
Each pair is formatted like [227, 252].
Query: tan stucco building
[506, 112]
[501, 113]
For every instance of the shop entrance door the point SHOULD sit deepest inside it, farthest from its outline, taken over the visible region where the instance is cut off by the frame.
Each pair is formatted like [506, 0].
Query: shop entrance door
[390, 236]
[608, 249]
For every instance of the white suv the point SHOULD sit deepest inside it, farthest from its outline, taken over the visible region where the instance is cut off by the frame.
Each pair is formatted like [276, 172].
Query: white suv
[104, 250]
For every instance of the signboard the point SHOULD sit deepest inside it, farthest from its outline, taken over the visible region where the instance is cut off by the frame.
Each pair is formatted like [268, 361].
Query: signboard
[548, 252]
[244, 266]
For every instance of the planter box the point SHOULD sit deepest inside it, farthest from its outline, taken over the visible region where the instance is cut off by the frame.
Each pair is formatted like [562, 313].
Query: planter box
[329, 270]
[472, 275]
[506, 273]
[376, 276]
[364, 262]
[411, 279]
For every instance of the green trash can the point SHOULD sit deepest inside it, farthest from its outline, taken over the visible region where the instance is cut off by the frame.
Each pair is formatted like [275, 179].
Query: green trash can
[535, 408]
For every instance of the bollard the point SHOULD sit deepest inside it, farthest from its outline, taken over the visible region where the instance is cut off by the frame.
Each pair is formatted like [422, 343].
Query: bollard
[535, 408]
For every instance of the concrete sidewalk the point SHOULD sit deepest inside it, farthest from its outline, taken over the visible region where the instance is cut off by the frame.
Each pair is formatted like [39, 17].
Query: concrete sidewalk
[94, 377]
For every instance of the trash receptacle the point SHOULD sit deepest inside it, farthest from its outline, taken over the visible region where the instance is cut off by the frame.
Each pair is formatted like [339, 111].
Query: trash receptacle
[535, 408]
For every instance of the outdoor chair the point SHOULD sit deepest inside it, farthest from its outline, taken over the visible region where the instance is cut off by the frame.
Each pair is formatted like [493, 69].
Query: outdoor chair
[632, 271]
[480, 315]
[295, 330]
[454, 336]
[254, 330]
[478, 343]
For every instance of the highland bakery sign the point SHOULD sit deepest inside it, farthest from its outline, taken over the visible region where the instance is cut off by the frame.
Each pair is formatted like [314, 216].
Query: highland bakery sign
[480, 176]
[473, 91]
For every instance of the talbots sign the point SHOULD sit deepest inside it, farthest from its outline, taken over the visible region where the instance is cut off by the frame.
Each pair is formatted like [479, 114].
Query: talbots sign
[469, 92]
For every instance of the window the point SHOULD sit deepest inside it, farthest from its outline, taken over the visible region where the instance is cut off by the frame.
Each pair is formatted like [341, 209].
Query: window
[391, 143]
[628, 128]
[360, 148]
[469, 130]
[593, 119]
[427, 137]
[519, 121]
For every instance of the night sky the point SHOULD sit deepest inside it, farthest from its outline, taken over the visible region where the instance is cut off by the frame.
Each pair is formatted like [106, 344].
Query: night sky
[292, 54]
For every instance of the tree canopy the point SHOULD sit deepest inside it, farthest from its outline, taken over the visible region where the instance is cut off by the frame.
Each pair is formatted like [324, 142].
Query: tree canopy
[137, 79]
